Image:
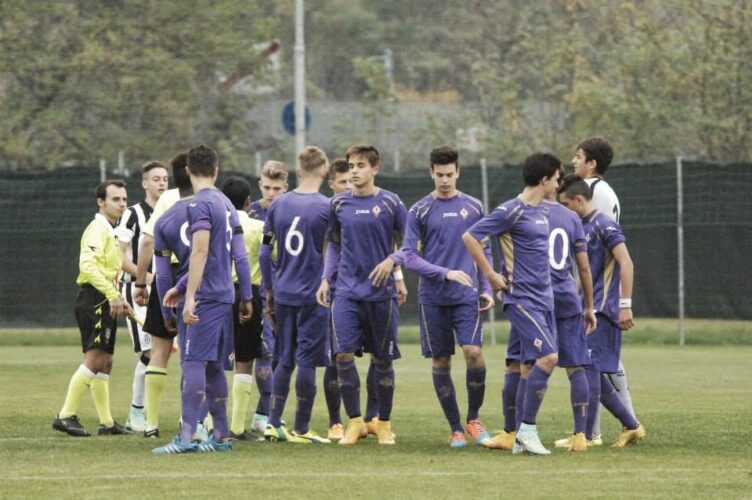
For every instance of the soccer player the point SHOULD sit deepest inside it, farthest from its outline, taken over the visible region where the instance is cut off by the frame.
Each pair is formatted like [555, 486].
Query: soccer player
[366, 225]
[592, 158]
[98, 307]
[154, 180]
[273, 184]
[452, 293]
[247, 334]
[522, 226]
[339, 182]
[216, 243]
[613, 273]
[298, 221]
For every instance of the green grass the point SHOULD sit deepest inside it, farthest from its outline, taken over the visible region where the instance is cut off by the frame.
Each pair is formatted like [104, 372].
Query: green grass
[694, 401]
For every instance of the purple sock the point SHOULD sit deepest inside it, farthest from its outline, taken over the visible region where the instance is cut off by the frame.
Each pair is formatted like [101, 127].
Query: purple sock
[579, 395]
[372, 395]
[216, 395]
[262, 370]
[610, 399]
[509, 400]
[349, 387]
[385, 389]
[305, 387]
[193, 396]
[519, 402]
[442, 383]
[332, 395]
[280, 390]
[535, 390]
[594, 392]
[476, 391]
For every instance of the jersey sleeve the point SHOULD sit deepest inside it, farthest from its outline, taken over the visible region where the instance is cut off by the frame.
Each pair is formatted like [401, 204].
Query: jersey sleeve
[92, 251]
[334, 229]
[579, 243]
[611, 233]
[199, 216]
[499, 221]
[412, 258]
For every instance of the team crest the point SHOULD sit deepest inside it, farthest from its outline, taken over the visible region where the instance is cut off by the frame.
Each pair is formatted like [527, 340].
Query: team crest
[376, 211]
[464, 213]
[538, 344]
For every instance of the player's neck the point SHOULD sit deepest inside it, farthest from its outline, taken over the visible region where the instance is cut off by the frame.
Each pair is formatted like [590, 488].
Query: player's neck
[309, 185]
[445, 195]
[366, 190]
[150, 200]
[532, 195]
[109, 219]
[201, 183]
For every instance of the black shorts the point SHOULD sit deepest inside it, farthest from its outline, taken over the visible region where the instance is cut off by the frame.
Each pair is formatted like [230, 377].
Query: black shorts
[248, 335]
[154, 322]
[98, 328]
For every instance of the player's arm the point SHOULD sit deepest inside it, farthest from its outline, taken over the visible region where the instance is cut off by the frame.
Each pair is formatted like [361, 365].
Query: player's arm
[626, 268]
[163, 284]
[477, 251]
[196, 265]
[92, 251]
[146, 252]
[586, 283]
[243, 270]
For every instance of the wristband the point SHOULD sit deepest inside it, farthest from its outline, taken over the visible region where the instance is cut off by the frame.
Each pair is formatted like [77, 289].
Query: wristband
[140, 285]
[398, 276]
[625, 303]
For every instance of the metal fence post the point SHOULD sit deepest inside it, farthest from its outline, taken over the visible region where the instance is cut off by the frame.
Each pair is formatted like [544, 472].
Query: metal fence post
[680, 244]
[484, 184]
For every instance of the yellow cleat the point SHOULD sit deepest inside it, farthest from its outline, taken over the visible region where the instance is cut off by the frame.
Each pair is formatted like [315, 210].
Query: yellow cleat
[336, 432]
[356, 429]
[565, 443]
[372, 426]
[311, 437]
[628, 437]
[578, 443]
[501, 441]
[384, 432]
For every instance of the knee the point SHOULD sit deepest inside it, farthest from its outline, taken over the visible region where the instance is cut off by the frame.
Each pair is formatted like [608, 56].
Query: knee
[442, 363]
[549, 362]
[345, 357]
[513, 367]
[473, 356]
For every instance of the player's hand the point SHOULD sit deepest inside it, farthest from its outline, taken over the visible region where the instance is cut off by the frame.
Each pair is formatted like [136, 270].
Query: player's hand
[322, 294]
[149, 278]
[141, 296]
[486, 302]
[245, 311]
[401, 291]
[381, 272]
[460, 277]
[171, 323]
[189, 315]
[117, 308]
[172, 298]
[625, 319]
[497, 281]
[590, 321]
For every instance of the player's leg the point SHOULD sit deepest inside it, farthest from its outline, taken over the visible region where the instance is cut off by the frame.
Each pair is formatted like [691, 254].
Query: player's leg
[286, 341]
[263, 375]
[332, 394]
[155, 376]
[141, 341]
[247, 348]
[620, 383]
[382, 328]
[468, 328]
[372, 399]
[505, 439]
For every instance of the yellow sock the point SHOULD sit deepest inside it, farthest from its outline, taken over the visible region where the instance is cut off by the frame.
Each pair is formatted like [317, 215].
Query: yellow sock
[155, 379]
[78, 386]
[241, 398]
[100, 391]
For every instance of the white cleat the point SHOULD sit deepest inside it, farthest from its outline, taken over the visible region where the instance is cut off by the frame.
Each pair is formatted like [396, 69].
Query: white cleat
[527, 437]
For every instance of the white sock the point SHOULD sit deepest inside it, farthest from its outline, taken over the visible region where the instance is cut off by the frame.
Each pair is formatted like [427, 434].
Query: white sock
[244, 377]
[139, 385]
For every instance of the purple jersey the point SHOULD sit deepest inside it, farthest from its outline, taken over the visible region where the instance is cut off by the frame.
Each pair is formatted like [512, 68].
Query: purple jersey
[171, 235]
[602, 235]
[211, 210]
[299, 223]
[257, 211]
[566, 239]
[433, 247]
[523, 234]
[366, 228]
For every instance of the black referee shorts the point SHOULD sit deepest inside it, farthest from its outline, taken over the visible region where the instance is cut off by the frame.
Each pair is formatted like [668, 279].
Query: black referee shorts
[98, 328]
[154, 322]
[248, 335]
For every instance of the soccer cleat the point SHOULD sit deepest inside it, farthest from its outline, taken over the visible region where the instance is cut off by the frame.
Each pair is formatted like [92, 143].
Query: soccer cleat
[312, 437]
[517, 449]
[384, 432]
[336, 432]
[578, 443]
[501, 441]
[201, 434]
[478, 431]
[565, 443]
[136, 420]
[458, 440]
[596, 441]
[174, 447]
[258, 424]
[114, 430]
[70, 425]
[211, 445]
[528, 438]
[373, 426]
[243, 436]
[628, 437]
[151, 432]
[356, 429]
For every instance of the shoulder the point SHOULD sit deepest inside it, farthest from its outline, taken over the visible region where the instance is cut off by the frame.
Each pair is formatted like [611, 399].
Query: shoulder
[390, 197]
[422, 206]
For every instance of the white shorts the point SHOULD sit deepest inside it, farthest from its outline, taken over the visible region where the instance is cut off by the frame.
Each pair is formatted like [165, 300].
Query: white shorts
[141, 340]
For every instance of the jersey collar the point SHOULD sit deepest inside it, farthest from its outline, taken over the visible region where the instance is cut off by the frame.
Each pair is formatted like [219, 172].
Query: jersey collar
[103, 220]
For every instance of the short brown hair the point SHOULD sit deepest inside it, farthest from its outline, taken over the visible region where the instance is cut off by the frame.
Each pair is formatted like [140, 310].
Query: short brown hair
[274, 170]
[151, 165]
[312, 158]
[598, 149]
[101, 189]
[370, 153]
[338, 166]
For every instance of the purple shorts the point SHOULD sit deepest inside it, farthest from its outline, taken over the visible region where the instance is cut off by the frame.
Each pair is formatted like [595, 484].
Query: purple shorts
[605, 346]
[536, 330]
[440, 324]
[573, 346]
[370, 326]
[211, 339]
[514, 346]
[302, 336]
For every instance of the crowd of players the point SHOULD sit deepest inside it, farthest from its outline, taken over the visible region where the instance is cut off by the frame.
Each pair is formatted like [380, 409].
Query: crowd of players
[299, 280]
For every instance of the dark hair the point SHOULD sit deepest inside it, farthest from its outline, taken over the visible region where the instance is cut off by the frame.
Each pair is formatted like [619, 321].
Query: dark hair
[445, 155]
[179, 174]
[202, 160]
[338, 166]
[573, 185]
[598, 149]
[101, 190]
[151, 165]
[237, 190]
[370, 153]
[539, 166]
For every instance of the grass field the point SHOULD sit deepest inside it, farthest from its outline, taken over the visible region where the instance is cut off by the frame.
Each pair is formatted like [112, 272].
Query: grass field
[694, 401]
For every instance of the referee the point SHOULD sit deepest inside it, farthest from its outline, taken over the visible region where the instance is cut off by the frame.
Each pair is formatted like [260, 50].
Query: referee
[98, 307]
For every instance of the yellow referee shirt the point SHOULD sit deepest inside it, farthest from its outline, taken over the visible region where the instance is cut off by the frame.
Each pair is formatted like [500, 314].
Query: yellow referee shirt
[100, 260]
[253, 233]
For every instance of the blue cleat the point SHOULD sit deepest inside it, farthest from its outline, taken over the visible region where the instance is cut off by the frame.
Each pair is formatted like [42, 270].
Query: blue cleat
[174, 447]
[211, 445]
